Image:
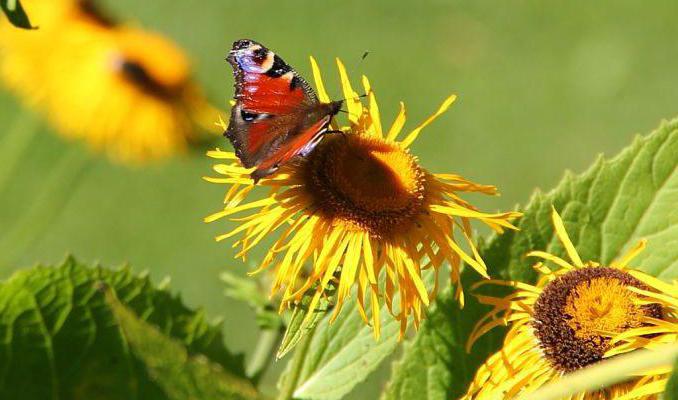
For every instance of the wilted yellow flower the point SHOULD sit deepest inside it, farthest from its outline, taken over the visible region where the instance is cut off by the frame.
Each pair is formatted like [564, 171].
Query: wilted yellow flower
[123, 90]
[576, 315]
[357, 211]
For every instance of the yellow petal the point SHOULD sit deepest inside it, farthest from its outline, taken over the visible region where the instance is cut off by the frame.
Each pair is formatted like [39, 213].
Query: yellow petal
[550, 257]
[565, 239]
[628, 257]
[374, 108]
[216, 153]
[656, 283]
[353, 103]
[398, 124]
[320, 87]
[375, 313]
[412, 136]
[645, 391]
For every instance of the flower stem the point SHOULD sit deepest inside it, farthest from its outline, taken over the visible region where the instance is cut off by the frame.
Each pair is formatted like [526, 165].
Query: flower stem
[263, 354]
[291, 377]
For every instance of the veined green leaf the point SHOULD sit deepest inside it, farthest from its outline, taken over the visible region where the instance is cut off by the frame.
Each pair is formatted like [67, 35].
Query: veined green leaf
[167, 362]
[299, 325]
[606, 210]
[60, 339]
[16, 13]
[332, 358]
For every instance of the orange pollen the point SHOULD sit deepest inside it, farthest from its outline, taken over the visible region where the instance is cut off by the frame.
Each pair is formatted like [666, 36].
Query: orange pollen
[373, 184]
[602, 305]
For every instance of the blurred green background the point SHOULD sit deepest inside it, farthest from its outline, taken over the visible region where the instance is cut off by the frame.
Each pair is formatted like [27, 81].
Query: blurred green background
[543, 87]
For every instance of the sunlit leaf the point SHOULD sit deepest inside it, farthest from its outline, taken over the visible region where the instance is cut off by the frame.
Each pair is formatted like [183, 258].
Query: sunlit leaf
[300, 325]
[332, 358]
[169, 365]
[62, 339]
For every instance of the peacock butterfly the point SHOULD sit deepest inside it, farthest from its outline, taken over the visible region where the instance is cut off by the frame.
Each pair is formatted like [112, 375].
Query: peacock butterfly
[277, 115]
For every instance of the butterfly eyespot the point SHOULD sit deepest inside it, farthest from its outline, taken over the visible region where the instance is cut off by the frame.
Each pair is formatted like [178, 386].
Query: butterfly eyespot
[248, 116]
[277, 116]
[259, 54]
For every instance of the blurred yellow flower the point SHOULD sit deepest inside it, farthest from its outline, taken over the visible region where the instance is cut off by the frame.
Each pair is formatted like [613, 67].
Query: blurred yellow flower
[360, 209]
[123, 90]
[576, 315]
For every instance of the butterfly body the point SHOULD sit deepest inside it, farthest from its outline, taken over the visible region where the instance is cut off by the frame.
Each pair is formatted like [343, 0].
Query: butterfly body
[277, 115]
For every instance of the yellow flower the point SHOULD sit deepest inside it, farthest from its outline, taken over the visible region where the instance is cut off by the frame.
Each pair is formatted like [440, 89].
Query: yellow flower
[357, 211]
[576, 315]
[123, 90]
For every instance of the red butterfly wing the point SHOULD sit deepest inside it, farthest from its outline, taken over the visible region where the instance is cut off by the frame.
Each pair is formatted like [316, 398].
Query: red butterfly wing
[277, 114]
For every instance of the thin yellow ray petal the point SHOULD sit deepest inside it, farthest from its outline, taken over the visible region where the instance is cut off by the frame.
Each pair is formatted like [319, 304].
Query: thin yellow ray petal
[564, 238]
[645, 391]
[656, 283]
[362, 287]
[350, 266]
[319, 85]
[353, 103]
[221, 124]
[218, 180]
[374, 305]
[374, 107]
[220, 154]
[233, 210]
[550, 257]
[412, 136]
[637, 333]
[398, 124]
[368, 258]
[663, 298]
[515, 284]
[331, 265]
[448, 245]
[630, 255]
[415, 276]
[501, 219]
[541, 268]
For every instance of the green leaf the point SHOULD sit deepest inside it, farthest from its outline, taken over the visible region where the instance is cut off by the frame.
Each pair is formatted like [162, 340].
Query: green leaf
[16, 13]
[169, 365]
[606, 210]
[300, 326]
[59, 338]
[331, 359]
[434, 363]
[671, 391]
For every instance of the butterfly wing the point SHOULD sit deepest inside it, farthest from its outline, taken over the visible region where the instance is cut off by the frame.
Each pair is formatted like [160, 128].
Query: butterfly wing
[277, 114]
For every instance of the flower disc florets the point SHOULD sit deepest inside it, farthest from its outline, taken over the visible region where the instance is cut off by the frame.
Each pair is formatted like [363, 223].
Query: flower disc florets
[375, 185]
[577, 313]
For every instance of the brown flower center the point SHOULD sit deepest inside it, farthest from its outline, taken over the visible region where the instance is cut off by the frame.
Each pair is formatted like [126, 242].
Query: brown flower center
[371, 183]
[577, 313]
